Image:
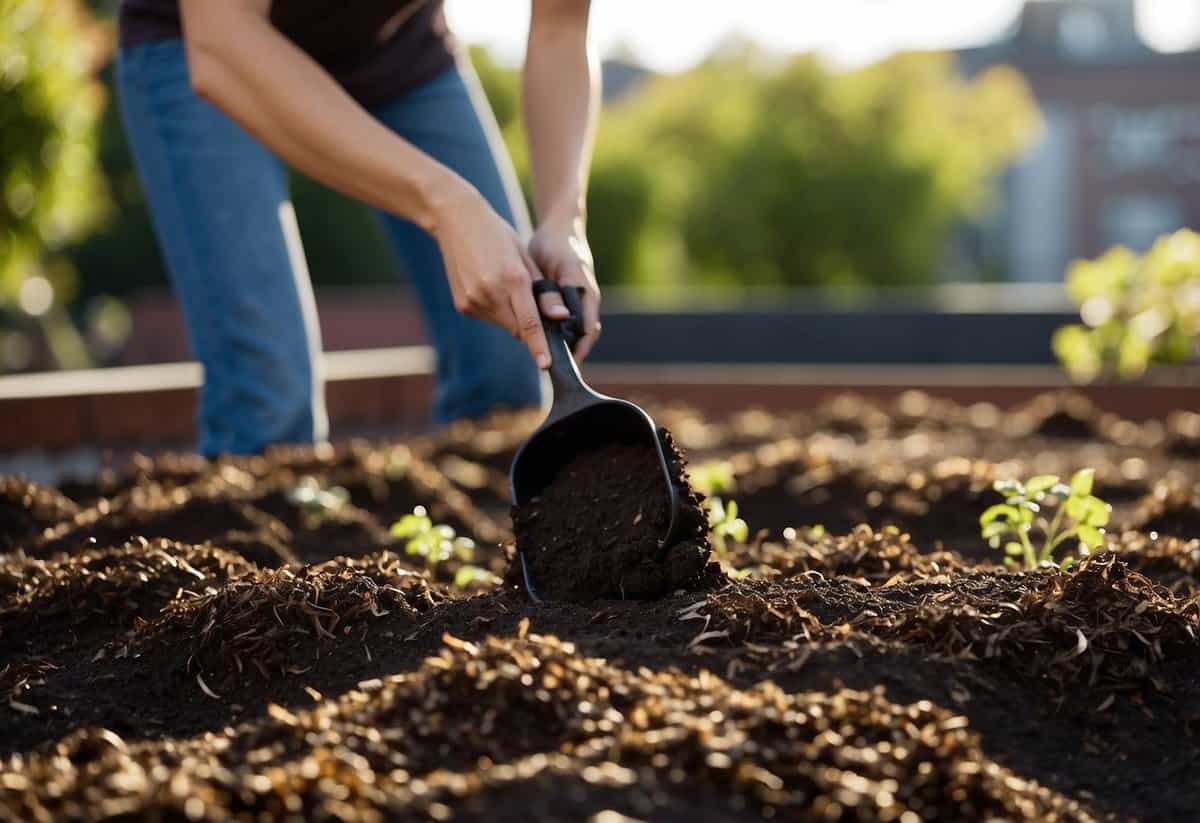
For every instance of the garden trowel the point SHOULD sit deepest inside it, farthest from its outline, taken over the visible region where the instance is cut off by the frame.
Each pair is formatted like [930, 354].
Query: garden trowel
[580, 420]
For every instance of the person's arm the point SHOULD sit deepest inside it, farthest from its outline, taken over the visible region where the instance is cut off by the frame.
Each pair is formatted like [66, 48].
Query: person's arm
[561, 99]
[239, 62]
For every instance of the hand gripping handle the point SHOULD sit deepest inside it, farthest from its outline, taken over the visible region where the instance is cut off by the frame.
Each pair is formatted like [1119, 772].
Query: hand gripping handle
[570, 328]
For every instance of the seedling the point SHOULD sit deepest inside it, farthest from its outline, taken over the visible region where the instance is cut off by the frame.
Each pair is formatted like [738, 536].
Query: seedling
[437, 543]
[313, 500]
[1078, 515]
[724, 523]
[713, 477]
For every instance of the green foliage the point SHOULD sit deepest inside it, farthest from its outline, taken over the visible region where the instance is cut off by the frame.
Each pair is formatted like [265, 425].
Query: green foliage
[51, 192]
[725, 525]
[712, 477]
[437, 543]
[793, 175]
[1078, 515]
[1137, 310]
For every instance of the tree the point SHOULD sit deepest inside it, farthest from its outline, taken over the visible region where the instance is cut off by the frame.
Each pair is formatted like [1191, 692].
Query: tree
[787, 174]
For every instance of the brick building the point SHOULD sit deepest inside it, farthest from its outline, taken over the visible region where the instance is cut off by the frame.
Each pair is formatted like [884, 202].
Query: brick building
[1119, 162]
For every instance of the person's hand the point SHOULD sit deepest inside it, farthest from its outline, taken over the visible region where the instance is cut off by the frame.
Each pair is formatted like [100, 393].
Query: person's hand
[490, 272]
[560, 249]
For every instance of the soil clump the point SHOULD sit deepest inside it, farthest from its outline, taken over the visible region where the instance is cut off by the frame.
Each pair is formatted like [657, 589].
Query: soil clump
[596, 531]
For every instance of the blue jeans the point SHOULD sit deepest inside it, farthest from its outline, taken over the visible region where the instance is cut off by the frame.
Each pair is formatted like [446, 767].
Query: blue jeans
[225, 224]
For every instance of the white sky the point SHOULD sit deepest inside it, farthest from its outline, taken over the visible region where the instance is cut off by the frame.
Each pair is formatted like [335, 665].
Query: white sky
[671, 35]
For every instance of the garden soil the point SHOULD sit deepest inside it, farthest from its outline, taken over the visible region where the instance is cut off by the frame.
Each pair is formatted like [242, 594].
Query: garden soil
[179, 640]
[596, 531]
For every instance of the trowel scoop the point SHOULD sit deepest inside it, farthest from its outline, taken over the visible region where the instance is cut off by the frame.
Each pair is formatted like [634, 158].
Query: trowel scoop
[580, 419]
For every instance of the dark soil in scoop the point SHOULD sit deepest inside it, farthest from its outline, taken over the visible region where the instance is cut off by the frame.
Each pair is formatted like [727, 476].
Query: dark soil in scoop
[596, 531]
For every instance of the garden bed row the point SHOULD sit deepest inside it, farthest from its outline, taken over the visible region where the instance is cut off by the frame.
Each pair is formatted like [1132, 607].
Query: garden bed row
[215, 638]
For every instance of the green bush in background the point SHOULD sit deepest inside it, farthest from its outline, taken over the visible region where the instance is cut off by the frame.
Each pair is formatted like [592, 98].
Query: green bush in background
[792, 175]
[1137, 310]
[51, 190]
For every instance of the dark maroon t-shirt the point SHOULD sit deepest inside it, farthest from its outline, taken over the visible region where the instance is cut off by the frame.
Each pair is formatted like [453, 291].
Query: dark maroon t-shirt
[357, 41]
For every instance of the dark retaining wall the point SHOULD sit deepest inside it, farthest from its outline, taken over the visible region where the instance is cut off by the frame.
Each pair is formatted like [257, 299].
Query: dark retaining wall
[875, 337]
[388, 391]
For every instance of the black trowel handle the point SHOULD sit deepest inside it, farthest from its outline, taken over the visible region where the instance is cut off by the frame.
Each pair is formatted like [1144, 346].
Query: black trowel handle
[571, 328]
[562, 336]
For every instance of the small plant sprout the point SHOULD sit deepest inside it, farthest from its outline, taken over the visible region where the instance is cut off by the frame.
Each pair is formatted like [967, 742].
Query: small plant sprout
[1078, 515]
[713, 477]
[436, 543]
[309, 497]
[724, 523]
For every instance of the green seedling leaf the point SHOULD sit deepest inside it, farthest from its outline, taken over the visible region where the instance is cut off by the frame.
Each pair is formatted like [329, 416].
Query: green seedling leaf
[993, 531]
[1009, 487]
[1041, 484]
[1090, 537]
[1088, 510]
[716, 510]
[412, 524]
[713, 477]
[1000, 510]
[466, 575]
[464, 548]
[1082, 481]
[1098, 512]
[1076, 506]
[1014, 549]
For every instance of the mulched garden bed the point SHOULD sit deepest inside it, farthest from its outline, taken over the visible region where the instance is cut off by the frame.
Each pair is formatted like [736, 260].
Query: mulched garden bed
[216, 639]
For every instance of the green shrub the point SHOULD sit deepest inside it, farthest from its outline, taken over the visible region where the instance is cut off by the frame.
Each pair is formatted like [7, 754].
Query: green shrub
[50, 102]
[1136, 310]
[786, 173]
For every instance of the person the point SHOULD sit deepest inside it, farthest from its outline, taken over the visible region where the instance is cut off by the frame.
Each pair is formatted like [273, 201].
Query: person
[374, 99]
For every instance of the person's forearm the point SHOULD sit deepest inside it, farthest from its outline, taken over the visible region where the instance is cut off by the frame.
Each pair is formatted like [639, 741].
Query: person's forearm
[561, 101]
[240, 63]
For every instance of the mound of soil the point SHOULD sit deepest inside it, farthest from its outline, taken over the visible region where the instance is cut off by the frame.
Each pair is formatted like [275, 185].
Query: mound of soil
[574, 734]
[26, 509]
[60, 600]
[597, 530]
